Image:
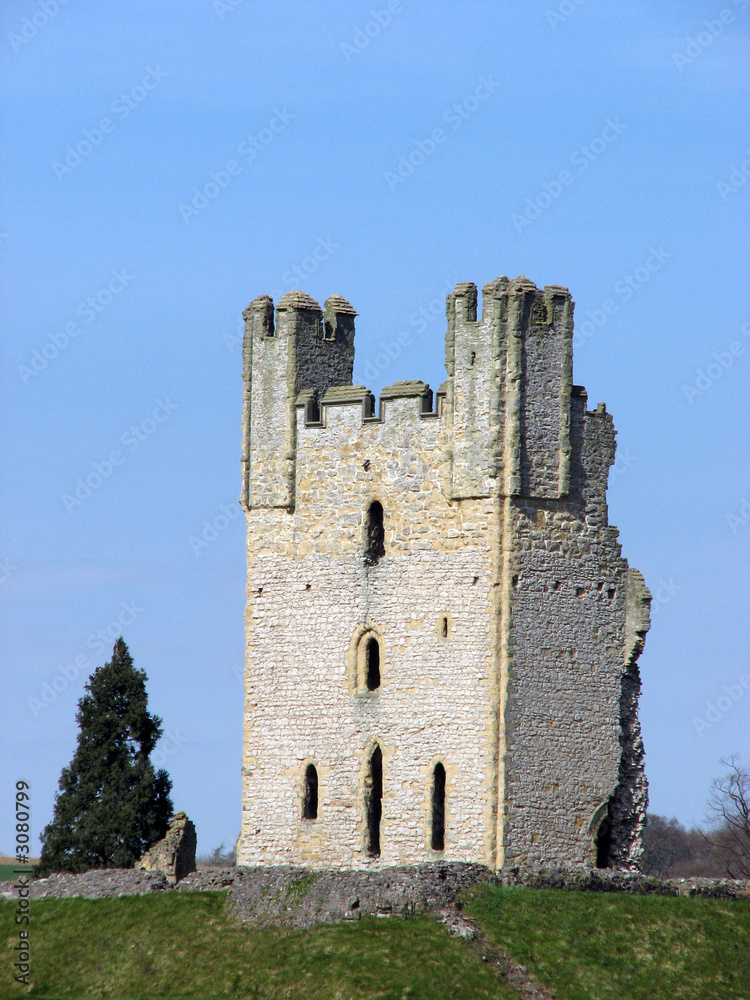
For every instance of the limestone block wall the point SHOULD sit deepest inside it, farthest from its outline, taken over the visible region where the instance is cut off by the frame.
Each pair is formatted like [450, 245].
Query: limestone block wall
[311, 598]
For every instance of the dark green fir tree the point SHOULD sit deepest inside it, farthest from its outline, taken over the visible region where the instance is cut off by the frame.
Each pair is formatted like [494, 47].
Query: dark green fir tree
[112, 805]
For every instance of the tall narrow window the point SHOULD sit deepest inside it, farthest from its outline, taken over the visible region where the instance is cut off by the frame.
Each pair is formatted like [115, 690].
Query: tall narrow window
[310, 805]
[375, 542]
[374, 802]
[438, 808]
[603, 843]
[372, 664]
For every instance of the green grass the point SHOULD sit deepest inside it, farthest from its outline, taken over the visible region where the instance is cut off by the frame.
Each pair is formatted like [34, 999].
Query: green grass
[186, 946]
[8, 866]
[591, 946]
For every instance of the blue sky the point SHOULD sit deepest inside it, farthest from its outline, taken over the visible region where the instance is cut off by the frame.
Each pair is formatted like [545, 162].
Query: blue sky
[164, 163]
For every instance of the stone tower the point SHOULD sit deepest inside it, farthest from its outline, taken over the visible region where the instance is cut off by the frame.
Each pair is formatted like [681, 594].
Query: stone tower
[441, 634]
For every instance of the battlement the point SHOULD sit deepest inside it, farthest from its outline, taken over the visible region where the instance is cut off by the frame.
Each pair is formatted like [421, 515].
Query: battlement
[462, 303]
[315, 411]
[509, 416]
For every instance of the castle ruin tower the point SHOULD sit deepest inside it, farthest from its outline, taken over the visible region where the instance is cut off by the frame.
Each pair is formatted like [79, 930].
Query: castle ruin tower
[442, 636]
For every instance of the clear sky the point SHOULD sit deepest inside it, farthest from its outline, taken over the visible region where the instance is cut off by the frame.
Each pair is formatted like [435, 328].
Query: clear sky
[165, 162]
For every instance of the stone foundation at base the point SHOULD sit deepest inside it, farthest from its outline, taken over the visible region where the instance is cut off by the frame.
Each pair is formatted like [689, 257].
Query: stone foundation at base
[290, 895]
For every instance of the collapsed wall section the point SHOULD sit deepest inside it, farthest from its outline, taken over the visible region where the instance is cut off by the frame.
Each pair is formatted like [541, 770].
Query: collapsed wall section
[575, 786]
[619, 834]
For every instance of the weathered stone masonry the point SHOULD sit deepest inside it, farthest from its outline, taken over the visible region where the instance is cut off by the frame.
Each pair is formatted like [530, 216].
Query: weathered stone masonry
[483, 623]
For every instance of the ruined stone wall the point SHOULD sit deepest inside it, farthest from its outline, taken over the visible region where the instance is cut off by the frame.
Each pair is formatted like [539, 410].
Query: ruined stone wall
[496, 533]
[562, 720]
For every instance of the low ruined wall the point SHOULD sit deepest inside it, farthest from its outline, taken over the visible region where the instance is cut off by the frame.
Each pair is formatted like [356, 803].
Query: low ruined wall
[301, 897]
[99, 883]
[614, 880]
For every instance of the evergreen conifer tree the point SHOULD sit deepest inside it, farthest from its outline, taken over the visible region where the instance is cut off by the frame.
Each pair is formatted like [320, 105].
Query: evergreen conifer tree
[112, 805]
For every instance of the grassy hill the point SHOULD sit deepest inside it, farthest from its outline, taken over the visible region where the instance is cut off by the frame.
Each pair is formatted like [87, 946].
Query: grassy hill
[188, 946]
[594, 946]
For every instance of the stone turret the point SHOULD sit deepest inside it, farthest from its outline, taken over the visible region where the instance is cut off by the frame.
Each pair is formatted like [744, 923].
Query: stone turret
[509, 386]
[302, 351]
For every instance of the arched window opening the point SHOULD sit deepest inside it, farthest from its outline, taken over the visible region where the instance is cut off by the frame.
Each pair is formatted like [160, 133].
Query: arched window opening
[372, 664]
[310, 805]
[438, 808]
[374, 802]
[375, 534]
[603, 838]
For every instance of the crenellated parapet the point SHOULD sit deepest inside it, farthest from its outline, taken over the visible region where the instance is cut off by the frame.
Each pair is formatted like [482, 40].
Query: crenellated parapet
[512, 422]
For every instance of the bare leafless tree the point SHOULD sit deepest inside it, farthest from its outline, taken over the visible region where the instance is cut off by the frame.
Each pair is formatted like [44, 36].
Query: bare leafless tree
[672, 851]
[729, 814]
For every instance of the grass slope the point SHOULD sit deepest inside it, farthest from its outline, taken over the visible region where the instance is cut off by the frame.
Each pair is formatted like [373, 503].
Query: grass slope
[187, 946]
[588, 946]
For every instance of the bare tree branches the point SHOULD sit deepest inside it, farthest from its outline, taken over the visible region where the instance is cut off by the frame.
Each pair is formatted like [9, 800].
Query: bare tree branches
[729, 813]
